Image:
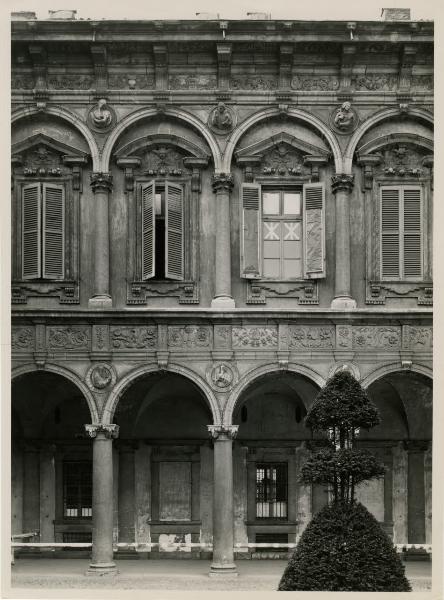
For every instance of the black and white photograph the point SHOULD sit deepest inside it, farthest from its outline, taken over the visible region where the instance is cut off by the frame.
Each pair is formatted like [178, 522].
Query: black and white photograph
[218, 310]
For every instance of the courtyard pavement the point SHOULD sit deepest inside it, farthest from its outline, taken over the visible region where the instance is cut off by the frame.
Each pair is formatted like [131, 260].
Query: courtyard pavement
[183, 575]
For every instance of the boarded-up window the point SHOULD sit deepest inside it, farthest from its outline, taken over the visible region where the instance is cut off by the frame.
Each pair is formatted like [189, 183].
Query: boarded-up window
[175, 491]
[401, 232]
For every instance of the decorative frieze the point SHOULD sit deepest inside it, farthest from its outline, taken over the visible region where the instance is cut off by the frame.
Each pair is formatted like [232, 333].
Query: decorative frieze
[254, 83]
[22, 338]
[70, 82]
[419, 338]
[76, 337]
[134, 338]
[311, 337]
[22, 81]
[100, 337]
[255, 336]
[344, 337]
[309, 83]
[222, 336]
[192, 82]
[375, 82]
[374, 337]
[137, 81]
[189, 336]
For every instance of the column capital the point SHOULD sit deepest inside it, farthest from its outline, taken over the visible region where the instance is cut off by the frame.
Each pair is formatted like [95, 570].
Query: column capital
[342, 182]
[111, 431]
[101, 182]
[222, 182]
[227, 432]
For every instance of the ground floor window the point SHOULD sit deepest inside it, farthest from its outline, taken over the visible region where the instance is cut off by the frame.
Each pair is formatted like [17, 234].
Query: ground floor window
[271, 491]
[77, 489]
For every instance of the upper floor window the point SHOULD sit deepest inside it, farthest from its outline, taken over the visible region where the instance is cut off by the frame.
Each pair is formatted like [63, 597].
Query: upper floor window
[401, 239]
[283, 232]
[43, 231]
[162, 232]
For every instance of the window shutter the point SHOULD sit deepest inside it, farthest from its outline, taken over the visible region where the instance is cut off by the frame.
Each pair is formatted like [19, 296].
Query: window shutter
[31, 231]
[412, 250]
[173, 231]
[390, 201]
[250, 231]
[148, 230]
[314, 230]
[53, 231]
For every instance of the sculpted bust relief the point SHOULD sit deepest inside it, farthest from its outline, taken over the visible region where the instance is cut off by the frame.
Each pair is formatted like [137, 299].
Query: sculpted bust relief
[221, 118]
[101, 116]
[344, 118]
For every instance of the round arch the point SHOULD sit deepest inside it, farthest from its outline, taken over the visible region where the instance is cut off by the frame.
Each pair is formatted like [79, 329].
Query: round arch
[371, 122]
[67, 115]
[73, 377]
[132, 376]
[259, 372]
[296, 113]
[150, 112]
[393, 368]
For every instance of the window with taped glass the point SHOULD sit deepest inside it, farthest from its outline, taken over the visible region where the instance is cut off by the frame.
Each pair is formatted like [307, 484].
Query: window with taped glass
[77, 489]
[162, 210]
[43, 231]
[271, 490]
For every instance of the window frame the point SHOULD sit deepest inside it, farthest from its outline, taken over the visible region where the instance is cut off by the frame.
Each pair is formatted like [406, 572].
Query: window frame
[79, 508]
[265, 465]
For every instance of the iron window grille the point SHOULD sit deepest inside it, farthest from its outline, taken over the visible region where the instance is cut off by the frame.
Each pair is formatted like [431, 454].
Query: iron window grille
[77, 490]
[271, 490]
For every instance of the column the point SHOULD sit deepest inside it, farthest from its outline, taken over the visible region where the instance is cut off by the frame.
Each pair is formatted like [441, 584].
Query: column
[416, 495]
[31, 489]
[240, 496]
[206, 495]
[16, 489]
[223, 530]
[47, 493]
[399, 494]
[101, 184]
[126, 492]
[142, 492]
[428, 493]
[222, 185]
[342, 186]
[102, 509]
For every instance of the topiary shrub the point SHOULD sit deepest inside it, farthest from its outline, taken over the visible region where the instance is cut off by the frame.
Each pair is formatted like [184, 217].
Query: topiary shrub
[344, 549]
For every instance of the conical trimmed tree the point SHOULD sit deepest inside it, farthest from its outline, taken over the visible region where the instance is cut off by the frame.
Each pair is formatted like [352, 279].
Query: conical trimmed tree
[343, 548]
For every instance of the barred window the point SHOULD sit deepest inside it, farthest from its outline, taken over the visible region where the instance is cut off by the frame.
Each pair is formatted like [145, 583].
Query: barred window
[77, 489]
[271, 491]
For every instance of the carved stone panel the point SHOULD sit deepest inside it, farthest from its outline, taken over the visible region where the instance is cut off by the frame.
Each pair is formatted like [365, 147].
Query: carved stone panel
[222, 336]
[68, 338]
[22, 338]
[100, 337]
[311, 337]
[253, 83]
[283, 159]
[313, 83]
[418, 338]
[192, 82]
[344, 337]
[401, 159]
[373, 337]
[255, 336]
[189, 336]
[134, 338]
[162, 160]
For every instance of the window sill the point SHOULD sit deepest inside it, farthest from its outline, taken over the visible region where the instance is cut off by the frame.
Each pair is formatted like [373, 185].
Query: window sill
[186, 291]
[304, 290]
[66, 290]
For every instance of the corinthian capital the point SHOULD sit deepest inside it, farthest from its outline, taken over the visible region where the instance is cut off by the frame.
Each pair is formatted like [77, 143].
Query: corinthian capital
[110, 431]
[101, 182]
[342, 182]
[222, 182]
[223, 432]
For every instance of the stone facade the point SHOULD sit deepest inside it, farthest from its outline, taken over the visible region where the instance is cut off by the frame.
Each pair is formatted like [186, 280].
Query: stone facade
[200, 354]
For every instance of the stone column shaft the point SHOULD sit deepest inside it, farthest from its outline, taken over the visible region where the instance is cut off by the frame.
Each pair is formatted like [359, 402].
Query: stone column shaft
[223, 529]
[102, 508]
[47, 494]
[31, 490]
[17, 490]
[222, 184]
[101, 184]
[126, 494]
[400, 505]
[342, 186]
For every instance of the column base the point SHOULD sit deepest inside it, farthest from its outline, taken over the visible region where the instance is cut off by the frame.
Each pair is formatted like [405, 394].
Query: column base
[226, 571]
[100, 301]
[343, 303]
[223, 303]
[102, 569]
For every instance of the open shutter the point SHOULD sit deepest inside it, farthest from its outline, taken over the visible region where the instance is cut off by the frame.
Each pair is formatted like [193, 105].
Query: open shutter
[173, 231]
[53, 231]
[390, 234]
[412, 249]
[314, 230]
[31, 231]
[148, 230]
[250, 231]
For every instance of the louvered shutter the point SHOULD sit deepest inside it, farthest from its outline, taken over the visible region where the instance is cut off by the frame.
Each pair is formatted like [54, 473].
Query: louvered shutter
[173, 231]
[390, 232]
[148, 229]
[53, 231]
[31, 231]
[250, 231]
[412, 246]
[314, 230]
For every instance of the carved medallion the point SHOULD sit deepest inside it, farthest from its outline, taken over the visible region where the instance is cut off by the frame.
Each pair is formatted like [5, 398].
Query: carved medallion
[344, 119]
[101, 117]
[222, 119]
[221, 376]
[100, 376]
